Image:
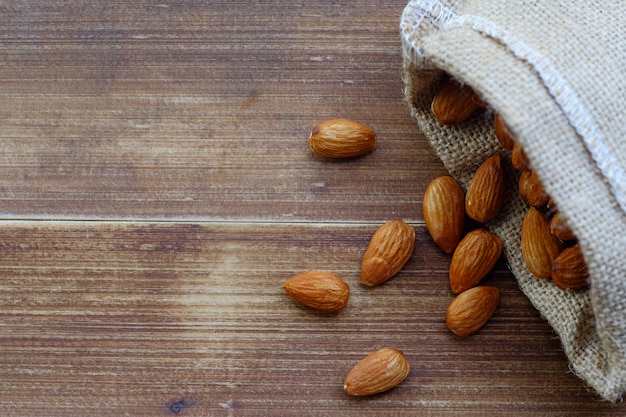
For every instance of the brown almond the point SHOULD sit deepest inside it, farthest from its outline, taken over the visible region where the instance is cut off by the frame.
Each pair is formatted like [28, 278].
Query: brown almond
[519, 159]
[569, 270]
[539, 246]
[444, 212]
[473, 259]
[552, 207]
[319, 290]
[389, 250]
[485, 195]
[454, 103]
[531, 189]
[478, 100]
[342, 138]
[471, 309]
[503, 132]
[560, 229]
[377, 372]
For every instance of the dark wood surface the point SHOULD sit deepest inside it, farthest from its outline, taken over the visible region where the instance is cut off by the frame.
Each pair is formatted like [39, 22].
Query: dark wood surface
[157, 189]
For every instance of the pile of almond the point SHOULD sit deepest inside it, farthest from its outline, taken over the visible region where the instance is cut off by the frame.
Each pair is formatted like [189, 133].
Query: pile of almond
[549, 248]
[445, 207]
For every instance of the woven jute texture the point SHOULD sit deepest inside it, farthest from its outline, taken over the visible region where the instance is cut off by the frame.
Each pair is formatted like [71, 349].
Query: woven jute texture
[556, 71]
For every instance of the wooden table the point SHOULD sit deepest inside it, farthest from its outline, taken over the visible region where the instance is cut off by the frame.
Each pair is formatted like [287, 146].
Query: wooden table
[157, 189]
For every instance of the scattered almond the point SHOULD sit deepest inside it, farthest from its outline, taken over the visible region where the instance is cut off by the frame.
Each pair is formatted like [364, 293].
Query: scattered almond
[473, 259]
[569, 270]
[319, 290]
[471, 309]
[377, 372]
[389, 249]
[503, 133]
[342, 138]
[485, 195]
[454, 103]
[539, 246]
[531, 189]
[444, 212]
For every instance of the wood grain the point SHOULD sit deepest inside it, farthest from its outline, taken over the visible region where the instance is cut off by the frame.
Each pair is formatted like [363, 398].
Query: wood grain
[156, 190]
[202, 110]
[141, 319]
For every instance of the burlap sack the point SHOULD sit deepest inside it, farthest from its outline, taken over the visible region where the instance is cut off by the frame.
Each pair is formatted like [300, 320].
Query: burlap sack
[556, 71]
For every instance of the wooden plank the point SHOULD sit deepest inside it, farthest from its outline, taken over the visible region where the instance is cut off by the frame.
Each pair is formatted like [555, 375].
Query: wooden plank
[202, 111]
[105, 318]
[192, 117]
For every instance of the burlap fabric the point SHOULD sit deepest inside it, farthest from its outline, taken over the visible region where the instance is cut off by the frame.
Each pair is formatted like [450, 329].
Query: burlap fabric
[556, 71]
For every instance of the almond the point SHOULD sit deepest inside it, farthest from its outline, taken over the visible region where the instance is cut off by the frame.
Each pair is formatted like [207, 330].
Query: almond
[478, 100]
[551, 206]
[503, 133]
[389, 249]
[519, 159]
[342, 138]
[485, 195]
[471, 309]
[377, 372]
[531, 190]
[444, 212]
[569, 270]
[560, 229]
[319, 290]
[454, 103]
[473, 259]
[539, 246]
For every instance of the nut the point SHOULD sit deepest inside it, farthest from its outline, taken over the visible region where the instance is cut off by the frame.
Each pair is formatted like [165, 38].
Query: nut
[444, 212]
[473, 259]
[319, 290]
[560, 229]
[485, 195]
[531, 190]
[569, 270]
[389, 249]
[551, 206]
[471, 309]
[377, 372]
[503, 133]
[539, 246]
[342, 138]
[480, 103]
[519, 159]
[454, 103]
